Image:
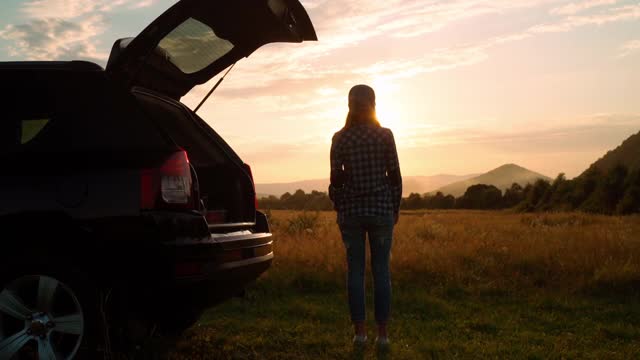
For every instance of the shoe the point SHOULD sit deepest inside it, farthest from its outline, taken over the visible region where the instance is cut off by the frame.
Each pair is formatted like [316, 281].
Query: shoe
[360, 340]
[382, 342]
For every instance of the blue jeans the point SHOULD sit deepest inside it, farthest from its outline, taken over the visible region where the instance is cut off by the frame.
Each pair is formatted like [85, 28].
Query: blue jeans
[380, 230]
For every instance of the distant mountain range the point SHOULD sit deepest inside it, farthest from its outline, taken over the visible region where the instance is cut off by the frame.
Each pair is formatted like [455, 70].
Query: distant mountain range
[277, 189]
[627, 154]
[502, 178]
[411, 184]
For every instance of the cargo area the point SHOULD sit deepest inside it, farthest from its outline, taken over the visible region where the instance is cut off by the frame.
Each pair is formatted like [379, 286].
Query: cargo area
[224, 184]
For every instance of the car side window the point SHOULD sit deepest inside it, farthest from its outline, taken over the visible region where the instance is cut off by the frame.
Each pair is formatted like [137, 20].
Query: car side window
[30, 128]
[16, 132]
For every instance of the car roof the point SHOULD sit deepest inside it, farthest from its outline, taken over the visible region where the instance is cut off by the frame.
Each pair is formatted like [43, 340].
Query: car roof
[74, 65]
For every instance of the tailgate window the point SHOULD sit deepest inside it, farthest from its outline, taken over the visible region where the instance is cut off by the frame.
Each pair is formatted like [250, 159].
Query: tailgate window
[193, 46]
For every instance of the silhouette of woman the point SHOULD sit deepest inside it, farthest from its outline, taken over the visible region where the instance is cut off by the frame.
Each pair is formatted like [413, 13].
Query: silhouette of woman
[366, 188]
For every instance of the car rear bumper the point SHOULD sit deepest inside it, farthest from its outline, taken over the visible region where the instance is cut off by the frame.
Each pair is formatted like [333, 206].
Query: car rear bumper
[208, 271]
[200, 265]
[221, 256]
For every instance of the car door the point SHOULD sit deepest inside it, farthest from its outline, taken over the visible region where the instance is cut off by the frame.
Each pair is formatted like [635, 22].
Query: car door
[196, 39]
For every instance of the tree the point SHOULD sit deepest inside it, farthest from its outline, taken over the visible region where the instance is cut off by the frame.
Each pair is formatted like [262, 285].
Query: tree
[609, 189]
[585, 185]
[480, 196]
[630, 202]
[440, 201]
[533, 195]
[270, 202]
[316, 200]
[413, 202]
[513, 195]
[449, 202]
[614, 184]
[557, 195]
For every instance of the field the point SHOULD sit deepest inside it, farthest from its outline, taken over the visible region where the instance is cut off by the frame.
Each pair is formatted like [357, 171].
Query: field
[465, 285]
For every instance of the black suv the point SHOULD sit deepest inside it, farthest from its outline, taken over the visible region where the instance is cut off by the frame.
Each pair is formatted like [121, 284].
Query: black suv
[122, 213]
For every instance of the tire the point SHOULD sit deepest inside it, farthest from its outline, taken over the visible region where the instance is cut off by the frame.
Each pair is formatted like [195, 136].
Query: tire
[47, 313]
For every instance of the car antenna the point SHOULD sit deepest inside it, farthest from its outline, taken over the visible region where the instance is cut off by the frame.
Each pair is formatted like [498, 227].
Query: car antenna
[214, 88]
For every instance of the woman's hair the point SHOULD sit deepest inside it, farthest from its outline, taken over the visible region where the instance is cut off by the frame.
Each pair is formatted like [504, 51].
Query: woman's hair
[362, 107]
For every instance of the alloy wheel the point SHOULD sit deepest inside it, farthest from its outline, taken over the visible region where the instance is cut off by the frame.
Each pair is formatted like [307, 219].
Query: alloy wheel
[40, 318]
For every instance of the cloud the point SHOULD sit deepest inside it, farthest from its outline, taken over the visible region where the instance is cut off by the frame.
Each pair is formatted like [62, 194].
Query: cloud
[437, 60]
[571, 134]
[574, 8]
[70, 9]
[142, 4]
[431, 17]
[357, 20]
[612, 15]
[63, 29]
[279, 84]
[628, 48]
[50, 38]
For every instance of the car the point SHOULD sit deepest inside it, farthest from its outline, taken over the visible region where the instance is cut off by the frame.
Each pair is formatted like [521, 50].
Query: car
[122, 212]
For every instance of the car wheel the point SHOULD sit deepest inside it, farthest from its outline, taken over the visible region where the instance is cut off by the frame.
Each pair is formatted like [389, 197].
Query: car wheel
[41, 317]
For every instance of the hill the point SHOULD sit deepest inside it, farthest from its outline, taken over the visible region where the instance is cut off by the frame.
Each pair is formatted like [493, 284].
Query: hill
[411, 184]
[627, 154]
[425, 184]
[502, 178]
[278, 189]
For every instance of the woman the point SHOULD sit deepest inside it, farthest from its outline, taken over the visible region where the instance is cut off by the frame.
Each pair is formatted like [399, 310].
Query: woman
[366, 188]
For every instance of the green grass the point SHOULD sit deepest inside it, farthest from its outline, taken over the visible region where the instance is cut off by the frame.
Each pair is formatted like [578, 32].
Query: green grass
[278, 321]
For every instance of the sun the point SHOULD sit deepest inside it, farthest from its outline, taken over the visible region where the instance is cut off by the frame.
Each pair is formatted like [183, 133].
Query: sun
[387, 109]
[387, 114]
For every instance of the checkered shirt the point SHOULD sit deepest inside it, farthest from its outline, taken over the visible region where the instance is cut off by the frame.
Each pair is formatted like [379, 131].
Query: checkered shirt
[365, 172]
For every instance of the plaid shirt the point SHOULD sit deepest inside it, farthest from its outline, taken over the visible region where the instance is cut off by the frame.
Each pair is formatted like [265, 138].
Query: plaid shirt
[365, 172]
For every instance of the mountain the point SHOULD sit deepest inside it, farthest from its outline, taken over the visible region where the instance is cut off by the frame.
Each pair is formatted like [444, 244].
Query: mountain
[627, 154]
[278, 189]
[502, 178]
[410, 184]
[425, 184]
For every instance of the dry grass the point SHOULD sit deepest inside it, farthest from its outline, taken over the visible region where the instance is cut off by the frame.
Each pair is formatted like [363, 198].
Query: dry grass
[466, 285]
[477, 250]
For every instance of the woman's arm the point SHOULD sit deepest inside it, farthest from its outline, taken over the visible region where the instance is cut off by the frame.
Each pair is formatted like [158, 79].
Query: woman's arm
[393, 173]
[337, 173]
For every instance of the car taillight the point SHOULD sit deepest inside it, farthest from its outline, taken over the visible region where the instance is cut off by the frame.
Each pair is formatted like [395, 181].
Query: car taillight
[168, 186]
[255, 195]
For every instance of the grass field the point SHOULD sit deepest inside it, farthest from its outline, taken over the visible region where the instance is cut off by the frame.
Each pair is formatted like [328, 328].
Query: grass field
[465, 285]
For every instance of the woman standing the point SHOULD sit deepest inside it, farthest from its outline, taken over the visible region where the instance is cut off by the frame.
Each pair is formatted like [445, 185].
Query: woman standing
[366, 188]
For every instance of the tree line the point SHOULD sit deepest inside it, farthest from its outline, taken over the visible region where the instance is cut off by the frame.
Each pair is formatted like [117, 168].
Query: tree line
[616, 191]
[299, 200]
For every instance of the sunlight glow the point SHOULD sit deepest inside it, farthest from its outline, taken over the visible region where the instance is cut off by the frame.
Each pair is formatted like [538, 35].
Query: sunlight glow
[389, 112]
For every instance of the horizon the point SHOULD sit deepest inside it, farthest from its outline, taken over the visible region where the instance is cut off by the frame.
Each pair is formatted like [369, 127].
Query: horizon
[449, 184]
[465, 85]
[428, 176]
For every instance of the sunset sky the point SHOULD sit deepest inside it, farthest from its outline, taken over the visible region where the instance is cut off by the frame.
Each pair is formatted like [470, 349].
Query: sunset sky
[466, 85]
